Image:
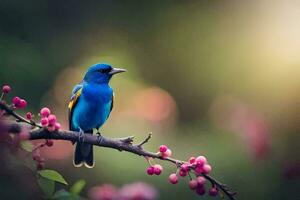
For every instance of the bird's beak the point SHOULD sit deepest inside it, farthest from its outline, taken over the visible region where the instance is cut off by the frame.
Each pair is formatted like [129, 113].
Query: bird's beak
[116, 70]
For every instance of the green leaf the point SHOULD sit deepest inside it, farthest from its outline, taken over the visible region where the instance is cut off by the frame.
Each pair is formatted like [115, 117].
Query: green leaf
[77, 187]
[52, 175]
[27, 146]
[47, 186]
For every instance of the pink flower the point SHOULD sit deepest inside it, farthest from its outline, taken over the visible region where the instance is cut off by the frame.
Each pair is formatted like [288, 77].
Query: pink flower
[137, 191]
[103, 192]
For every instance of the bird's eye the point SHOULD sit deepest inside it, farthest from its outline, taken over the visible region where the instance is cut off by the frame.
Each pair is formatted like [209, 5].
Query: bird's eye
[105, 70]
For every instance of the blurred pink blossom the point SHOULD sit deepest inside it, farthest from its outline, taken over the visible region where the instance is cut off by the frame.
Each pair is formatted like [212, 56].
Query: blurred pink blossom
[137, 191]
[154, 104]
[103, 192]
[134, 191]
[233, 115]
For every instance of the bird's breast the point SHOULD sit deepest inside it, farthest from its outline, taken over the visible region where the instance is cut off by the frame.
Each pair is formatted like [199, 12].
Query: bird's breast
[92, 109]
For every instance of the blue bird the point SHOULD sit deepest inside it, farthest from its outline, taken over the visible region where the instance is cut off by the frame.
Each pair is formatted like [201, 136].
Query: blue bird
[89, 107]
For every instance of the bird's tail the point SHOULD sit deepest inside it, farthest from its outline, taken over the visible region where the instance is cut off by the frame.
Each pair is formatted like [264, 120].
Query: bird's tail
[83, 155]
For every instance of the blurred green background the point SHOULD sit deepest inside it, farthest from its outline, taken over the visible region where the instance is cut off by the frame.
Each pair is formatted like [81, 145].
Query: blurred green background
[217, 78]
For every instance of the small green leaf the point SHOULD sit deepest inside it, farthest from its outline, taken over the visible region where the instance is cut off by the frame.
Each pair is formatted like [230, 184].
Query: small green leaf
[27, 146]
[47, 186]
[52, 175]
[77, 187]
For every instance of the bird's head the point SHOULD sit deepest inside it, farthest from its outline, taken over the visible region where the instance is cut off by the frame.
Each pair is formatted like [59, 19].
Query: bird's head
[101, 73]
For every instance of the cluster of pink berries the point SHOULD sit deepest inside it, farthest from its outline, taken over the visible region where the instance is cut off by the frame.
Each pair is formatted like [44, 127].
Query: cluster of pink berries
[154, 170]
[157, 169]
[164, 151]
[17, 101]
[200, 166]
[48, 120]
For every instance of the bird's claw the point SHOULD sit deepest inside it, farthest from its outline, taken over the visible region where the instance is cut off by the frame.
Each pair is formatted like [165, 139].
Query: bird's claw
[81, 136]
[99, 137]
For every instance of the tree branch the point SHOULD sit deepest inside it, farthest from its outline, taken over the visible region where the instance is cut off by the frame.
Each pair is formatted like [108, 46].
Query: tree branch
[121, 144]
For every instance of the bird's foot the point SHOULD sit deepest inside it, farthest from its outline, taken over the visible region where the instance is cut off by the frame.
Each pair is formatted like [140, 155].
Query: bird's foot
[81, 136]
[99, 137]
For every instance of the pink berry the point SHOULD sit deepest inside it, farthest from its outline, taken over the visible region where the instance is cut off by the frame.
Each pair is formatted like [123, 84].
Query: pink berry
[163, 148]
[16, 101]
[51, 127]
[6, 89]
[44, 121]
[22, 103]
[200, 160]
[166, 154]
[157, 169]
[182, 173]
[201, 180]
[193, 184]
[198, 170]
[57, 126]
[213, 192]
[200, 190]
[150, 170]
[184, 167]
[49, 143]
[206, 169]
[45, 112]
[192, 160]
[29, 116]
[173, 178]
[52, 119]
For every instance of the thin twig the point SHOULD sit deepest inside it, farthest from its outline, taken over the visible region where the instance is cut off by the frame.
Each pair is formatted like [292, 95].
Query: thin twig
[145, 140]
[11, 112]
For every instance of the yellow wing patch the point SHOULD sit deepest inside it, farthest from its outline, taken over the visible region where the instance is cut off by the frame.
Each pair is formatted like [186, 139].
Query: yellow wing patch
[74, 99]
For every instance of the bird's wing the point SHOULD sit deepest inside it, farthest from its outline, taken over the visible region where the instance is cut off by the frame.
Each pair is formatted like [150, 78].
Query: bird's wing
[73, 101]
[111, 104]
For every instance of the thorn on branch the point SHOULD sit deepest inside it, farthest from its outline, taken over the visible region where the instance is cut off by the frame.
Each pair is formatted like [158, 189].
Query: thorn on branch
[145, 140]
